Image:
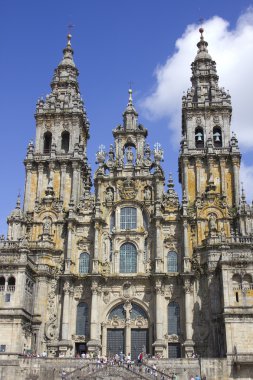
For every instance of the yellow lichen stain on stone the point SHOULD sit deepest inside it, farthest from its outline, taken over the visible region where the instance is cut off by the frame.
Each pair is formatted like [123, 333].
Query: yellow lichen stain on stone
[33, 190]
[67, 191]
[57, 183]
[191, 184]
[217, 180]
[229, 187]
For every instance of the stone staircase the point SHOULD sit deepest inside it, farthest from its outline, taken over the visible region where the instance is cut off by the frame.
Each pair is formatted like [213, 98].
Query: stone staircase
[93, 371]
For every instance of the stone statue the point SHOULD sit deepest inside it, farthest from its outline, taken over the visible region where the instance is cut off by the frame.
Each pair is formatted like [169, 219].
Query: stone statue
[109, 195]
[129, 155]
[47, 225]
[138, 160]
[147, 194]
[212, 223]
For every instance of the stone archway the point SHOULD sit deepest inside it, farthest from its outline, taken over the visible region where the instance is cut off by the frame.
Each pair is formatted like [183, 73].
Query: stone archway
[125, 330]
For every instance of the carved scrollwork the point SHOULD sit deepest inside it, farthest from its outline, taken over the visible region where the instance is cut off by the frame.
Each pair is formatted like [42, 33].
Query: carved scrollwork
[51, 327]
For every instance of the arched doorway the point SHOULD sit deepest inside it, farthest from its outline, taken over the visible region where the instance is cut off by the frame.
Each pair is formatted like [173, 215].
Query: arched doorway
[126, 330]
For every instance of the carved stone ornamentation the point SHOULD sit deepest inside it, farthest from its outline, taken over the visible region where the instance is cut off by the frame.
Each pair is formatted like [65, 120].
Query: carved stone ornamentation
[51, 327]
[127, 189]
[128, 290]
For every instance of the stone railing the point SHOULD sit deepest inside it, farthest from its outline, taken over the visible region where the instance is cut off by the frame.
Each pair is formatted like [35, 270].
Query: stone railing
[223, 240]
[9, 244]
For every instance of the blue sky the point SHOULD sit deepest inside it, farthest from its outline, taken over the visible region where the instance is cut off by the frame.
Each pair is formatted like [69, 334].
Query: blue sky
[115, 42]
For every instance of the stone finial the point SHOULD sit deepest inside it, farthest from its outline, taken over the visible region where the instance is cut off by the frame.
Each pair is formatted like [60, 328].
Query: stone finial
[130, 115]
[243, 196]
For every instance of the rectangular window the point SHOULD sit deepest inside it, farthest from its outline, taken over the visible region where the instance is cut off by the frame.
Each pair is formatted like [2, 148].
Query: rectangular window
[2, 347]
[128, 218]
[7, 297]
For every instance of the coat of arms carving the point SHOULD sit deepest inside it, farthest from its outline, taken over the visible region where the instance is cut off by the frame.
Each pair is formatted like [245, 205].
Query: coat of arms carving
[127, 189]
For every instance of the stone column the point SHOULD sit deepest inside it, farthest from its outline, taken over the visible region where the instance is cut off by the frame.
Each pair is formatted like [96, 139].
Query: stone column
[188, 344]
[128, 308]
[63, 179]
[75, 181]
[236, 165]
[28, 186]
[94, 342]
[198, 175]
[94, 314]
[140, 264]
[69, 248]
[65, 311]
[104, 338]
[186, 248]
[222, 174]
[96, 248]
[185, 176]
[116, 261]
[40, 180]
[159, 344]
[158, 258]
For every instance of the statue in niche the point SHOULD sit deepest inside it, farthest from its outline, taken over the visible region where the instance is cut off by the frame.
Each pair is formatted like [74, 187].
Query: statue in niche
[138, 160]
[129, 155]
[147, 194]
[109, 196]
[147, 160]
[47, 226]
[212, 223]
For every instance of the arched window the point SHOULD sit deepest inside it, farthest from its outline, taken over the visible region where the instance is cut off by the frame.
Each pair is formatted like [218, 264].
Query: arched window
[65, 141]
[82, 319]
[47, 142]
[199, 137]
[237, 281]
[172, 261]
[217, 137]
[128, 218]
[173, 318]
[84, 263]
[128, 258]
[247, 281]
[137, 311]
[118, 312]
[2, 284]
[11, 284]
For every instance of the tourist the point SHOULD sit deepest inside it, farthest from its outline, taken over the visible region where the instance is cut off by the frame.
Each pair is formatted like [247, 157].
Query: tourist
[121, 357]
[154, 370]
[128, 360]
[197, 377]
[140, 358]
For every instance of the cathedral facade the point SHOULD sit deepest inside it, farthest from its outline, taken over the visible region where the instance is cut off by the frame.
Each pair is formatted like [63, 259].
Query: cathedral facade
[127, 267]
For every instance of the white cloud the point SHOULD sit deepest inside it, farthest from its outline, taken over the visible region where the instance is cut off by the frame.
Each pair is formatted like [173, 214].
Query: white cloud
[246, 176]
[232, 49]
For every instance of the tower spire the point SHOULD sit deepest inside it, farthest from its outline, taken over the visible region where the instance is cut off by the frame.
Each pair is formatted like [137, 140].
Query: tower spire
[130, 115]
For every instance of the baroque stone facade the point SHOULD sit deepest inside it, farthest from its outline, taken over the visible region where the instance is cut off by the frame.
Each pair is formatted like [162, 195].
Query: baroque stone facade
[128, 267]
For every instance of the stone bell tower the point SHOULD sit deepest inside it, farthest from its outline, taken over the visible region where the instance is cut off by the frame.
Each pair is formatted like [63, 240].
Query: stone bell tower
[58, 157]
[209, 162]
[209, 165]
[56, 165]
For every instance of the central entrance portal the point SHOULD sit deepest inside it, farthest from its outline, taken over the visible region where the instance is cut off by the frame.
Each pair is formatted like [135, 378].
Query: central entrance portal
[139, 342]
[115, 341]
[126, 330]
